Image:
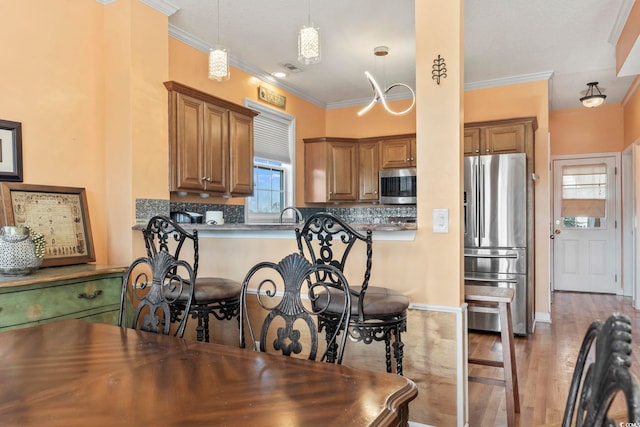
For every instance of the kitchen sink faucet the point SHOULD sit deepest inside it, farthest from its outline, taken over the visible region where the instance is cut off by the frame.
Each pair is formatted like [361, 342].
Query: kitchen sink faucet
[298, 218]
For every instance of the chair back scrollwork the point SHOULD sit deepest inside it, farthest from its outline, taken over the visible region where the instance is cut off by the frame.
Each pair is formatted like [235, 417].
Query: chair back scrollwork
[164, 234]
[592, 391]
[289, 298]
[150, 287]
[328, 240]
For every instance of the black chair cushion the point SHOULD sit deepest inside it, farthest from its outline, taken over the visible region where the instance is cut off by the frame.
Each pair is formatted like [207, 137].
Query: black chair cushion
[209, 289]
[213, 289]
[378, 301]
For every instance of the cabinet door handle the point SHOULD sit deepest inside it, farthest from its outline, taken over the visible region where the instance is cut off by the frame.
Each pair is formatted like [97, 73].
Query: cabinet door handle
[94, 295]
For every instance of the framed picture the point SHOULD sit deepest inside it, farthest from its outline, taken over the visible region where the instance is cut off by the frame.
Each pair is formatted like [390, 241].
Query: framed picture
[10, 151]
[59, 213]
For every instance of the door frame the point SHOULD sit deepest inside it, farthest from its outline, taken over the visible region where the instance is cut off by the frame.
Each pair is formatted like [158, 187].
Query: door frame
[618, 205]
[628, 173]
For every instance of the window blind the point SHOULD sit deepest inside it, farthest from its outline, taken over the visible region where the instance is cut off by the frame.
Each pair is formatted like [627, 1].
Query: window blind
[271, 138]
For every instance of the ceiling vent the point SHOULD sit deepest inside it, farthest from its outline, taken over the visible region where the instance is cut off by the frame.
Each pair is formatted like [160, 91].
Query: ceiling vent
[292, 68]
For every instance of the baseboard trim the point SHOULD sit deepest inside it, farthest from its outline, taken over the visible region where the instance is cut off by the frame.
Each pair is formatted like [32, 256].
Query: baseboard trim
[542, 317]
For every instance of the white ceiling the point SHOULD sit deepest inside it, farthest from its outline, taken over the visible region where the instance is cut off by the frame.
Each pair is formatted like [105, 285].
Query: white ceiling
[571, 42]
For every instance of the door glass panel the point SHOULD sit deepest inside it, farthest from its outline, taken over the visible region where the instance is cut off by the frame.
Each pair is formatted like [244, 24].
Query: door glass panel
[584, 196]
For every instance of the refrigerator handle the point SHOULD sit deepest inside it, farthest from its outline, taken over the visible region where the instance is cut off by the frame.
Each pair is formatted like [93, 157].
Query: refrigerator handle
[512, 256]
[482, 211]
[476, 236]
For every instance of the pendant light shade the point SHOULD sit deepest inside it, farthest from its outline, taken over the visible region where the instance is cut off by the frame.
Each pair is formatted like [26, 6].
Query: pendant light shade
[308, 45]
[219, 58]
[309, 42]
[219, 64]
[593, 98]
[379, 95]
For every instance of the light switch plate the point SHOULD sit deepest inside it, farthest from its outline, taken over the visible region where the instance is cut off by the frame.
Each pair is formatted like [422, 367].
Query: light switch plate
[441, 220]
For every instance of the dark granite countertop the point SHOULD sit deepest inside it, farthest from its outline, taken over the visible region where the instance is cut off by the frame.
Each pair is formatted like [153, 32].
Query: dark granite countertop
[284, 226]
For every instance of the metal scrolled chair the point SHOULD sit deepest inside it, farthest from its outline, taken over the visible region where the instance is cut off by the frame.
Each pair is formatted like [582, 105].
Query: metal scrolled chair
[592, 392]
[215, 296]
[281, 290]
[150, 287]
[377, 312]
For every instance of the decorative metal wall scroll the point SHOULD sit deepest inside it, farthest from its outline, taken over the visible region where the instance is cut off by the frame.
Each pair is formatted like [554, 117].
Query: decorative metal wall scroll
[439, 69]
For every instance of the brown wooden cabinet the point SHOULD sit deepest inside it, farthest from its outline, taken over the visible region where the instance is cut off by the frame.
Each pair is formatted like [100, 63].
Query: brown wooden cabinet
[498, 137]
[368, 168]
[331, 170]
[398, 152]
[211, 143]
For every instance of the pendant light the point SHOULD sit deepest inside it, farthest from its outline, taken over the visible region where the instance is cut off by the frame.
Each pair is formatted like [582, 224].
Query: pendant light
[309, 42]
[593, 98]
[379, 94]
[219, 58]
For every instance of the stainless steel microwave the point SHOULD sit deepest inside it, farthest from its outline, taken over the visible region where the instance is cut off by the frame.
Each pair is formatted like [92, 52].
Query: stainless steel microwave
[398, 186]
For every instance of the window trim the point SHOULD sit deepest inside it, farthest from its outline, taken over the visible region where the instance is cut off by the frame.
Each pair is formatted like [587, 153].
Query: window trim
[290, 169]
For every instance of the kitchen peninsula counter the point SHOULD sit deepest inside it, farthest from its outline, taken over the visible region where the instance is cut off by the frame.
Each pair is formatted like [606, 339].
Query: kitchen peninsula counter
[401, 231]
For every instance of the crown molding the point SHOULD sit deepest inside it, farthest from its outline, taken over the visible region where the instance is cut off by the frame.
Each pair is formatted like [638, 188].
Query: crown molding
[162, 6]
[621, 20]
[203, 46]
[365, 101]
[505, 81]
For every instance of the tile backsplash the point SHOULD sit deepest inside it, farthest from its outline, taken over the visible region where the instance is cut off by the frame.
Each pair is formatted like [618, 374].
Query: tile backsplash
[234, 214]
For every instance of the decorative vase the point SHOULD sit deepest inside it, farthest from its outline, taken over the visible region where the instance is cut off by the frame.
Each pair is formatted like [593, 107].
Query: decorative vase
[18, 255]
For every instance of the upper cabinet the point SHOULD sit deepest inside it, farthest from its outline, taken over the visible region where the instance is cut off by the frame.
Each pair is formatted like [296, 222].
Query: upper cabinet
[331, 170]
[211, 143]
[398, 152]
[499, 137]
[368, 169]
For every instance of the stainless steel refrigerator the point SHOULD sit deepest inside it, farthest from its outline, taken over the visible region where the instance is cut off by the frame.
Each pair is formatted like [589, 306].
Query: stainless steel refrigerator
[495, 233]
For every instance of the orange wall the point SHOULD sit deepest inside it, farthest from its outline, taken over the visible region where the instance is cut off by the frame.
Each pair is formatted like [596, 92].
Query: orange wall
[52, 83]
[524, 100]
[632, 114]
[345, 122]
[587, 130]
[628, 36]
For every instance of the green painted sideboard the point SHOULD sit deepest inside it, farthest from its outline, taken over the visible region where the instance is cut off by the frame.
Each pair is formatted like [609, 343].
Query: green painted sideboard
[85, 291]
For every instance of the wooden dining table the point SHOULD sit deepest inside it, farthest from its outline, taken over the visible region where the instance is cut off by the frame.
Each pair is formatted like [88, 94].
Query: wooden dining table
[75, 373]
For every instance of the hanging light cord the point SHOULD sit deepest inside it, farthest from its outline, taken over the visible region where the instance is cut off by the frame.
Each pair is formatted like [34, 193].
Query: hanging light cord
[218, 36]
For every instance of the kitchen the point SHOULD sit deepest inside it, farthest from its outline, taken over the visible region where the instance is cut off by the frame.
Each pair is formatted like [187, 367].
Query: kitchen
[116, 123]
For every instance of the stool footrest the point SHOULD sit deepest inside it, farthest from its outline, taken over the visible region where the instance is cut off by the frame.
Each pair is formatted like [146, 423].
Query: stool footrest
[487, 380]
[487, 362]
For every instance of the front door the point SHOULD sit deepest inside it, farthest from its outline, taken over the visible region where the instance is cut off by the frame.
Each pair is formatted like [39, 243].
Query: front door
[584, 225]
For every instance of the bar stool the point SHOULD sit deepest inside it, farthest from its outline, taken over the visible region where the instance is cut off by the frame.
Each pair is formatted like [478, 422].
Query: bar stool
[217, 296]
[491, 299]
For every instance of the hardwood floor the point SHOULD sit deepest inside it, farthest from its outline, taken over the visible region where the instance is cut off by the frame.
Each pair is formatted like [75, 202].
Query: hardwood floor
[545, 361]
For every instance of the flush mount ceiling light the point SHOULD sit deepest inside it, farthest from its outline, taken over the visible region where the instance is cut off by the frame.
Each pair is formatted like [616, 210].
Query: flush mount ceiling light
[219, 58]
[309, 42]
[379, 94]
[593, 98]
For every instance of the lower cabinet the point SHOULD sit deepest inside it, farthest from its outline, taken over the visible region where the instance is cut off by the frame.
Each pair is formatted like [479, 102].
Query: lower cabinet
[89, 292]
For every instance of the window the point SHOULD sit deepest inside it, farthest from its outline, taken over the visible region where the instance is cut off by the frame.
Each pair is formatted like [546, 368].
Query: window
[273, 165]
[584, 196]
